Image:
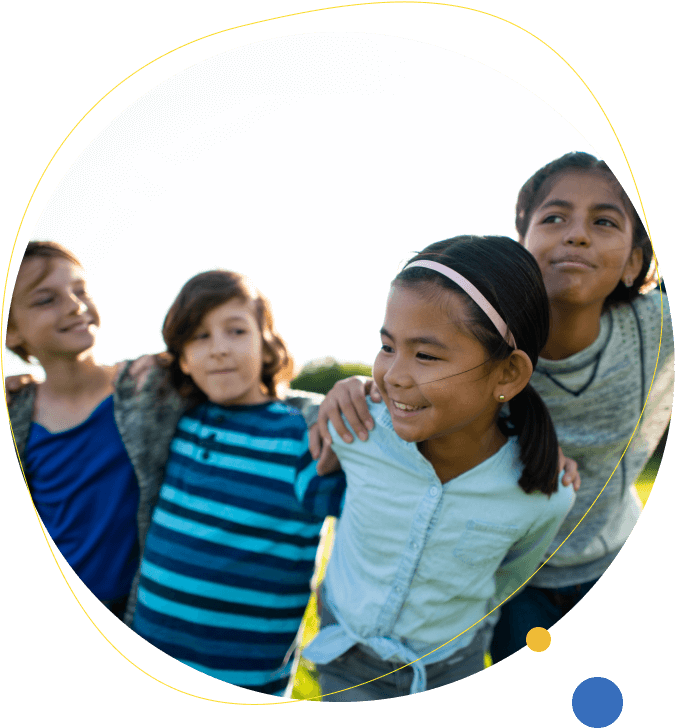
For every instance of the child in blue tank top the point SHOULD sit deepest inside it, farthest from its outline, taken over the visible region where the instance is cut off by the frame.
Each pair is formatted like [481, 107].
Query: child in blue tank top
[81, 479]
[93, 440]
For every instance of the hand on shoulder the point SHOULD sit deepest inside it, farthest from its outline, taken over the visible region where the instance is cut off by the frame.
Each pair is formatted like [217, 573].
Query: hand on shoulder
[140, 369]
[14, 385]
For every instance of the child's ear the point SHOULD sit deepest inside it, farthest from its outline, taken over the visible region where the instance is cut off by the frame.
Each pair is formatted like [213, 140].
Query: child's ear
[633, 267]
[13, 338]
[513, 376]
[183, 365]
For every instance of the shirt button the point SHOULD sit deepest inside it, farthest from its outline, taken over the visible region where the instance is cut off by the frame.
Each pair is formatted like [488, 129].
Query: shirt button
[433, 490]
[397, 589]
[413, 546]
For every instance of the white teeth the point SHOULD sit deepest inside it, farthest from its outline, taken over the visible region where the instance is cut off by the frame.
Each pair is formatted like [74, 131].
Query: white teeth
[406, 407]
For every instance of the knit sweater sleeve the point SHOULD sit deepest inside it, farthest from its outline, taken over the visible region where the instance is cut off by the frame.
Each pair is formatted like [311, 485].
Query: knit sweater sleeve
[652, 311]
[21, 415]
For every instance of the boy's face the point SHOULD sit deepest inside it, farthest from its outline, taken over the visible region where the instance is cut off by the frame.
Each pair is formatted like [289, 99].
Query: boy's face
[225, 355]
[52, 315]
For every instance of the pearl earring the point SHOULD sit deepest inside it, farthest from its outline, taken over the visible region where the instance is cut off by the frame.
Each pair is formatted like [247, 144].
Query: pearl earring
[628, 282]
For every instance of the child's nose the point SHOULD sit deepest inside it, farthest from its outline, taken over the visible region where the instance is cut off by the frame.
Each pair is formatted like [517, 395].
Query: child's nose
[397, 375]
[578, 234]
[77, 305]
[220, 344]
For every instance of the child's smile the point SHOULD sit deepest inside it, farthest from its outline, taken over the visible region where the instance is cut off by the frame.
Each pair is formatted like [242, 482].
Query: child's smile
[430, 371]
[225, 355]
[52, 314]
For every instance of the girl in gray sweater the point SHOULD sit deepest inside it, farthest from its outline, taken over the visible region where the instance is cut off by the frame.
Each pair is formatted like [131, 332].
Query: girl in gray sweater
[605, 374]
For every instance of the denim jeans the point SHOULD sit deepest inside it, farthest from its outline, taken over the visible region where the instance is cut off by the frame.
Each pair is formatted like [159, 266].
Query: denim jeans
[532, 607]
[358, 666]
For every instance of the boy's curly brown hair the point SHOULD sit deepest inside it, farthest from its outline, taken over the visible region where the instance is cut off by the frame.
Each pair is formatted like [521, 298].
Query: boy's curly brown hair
[202, 294]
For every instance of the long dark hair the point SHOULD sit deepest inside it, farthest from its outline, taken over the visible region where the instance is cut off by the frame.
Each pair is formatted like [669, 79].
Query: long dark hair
[509, 277]
[203, 293]
[536, 188]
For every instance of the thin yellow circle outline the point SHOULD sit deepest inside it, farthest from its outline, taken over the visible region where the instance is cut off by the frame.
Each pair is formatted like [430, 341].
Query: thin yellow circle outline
[281, 17]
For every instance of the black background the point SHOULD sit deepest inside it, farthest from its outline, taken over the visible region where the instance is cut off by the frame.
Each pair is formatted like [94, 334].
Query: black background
[58, 68]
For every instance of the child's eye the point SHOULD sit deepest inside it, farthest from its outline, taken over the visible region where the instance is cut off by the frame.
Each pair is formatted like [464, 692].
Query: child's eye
[426, 357]
[200, 335]
[238, 332]
[43, 301]
[549, 219]
[605, 222]
[387, 349]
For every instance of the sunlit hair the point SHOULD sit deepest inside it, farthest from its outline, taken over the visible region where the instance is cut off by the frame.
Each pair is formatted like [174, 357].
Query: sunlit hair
[200, 295]
[509, 278]
[48, 252]
[537, 187]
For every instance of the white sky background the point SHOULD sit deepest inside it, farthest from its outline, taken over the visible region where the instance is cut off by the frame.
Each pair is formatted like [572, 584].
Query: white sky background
[315, 164]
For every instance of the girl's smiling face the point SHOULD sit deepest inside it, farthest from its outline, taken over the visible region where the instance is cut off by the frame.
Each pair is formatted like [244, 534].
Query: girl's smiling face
[431, 372]
[581, 235]
[224, 357]
[52, 315]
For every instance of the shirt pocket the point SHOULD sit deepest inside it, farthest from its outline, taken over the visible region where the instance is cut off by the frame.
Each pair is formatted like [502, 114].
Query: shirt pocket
[464, 567]
[484, 543]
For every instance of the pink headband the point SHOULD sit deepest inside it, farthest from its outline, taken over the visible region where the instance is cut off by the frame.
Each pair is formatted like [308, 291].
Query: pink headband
[473, 293]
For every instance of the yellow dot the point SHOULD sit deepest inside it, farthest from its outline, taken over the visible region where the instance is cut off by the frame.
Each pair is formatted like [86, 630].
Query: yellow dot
[538, 639]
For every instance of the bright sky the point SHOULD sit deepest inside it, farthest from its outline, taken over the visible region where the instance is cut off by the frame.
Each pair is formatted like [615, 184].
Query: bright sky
[315, 164]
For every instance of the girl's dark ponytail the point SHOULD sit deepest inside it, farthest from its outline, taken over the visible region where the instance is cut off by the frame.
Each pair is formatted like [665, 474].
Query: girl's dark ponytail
[538, 442]
[509, 277]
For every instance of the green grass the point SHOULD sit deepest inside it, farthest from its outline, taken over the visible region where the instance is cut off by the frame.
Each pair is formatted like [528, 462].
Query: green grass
[306, 686]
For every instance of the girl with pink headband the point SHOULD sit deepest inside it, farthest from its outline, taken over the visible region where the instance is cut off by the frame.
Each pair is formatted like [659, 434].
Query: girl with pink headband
[449, 507]
[605, 373]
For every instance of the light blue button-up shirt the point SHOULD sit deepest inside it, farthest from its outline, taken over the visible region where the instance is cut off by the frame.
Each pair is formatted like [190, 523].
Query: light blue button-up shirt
[416, 561]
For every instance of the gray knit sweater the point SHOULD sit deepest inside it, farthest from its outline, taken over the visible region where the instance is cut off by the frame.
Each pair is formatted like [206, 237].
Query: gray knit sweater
[595, 398]
[146, 416]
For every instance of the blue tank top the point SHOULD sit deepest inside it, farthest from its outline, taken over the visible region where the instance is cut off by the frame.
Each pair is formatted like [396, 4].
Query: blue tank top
[85, 490]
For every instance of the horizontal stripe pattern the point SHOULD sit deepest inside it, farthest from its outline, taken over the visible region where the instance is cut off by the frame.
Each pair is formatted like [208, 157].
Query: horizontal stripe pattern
[231, 548]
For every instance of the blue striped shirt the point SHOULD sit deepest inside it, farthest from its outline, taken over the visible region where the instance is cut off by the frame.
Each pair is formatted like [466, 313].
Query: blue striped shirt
[231, 547]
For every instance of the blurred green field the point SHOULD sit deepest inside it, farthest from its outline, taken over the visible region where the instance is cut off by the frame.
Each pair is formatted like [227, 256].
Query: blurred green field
[306, 686]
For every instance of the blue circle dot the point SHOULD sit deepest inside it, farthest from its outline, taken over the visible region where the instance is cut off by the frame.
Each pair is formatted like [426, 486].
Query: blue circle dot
[597, 702]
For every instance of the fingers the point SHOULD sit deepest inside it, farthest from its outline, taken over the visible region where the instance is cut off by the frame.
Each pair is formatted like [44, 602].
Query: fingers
[347, 399]
[315, 442]
[571, 472]
[328, 462]
[355, 410]
[375, 394]
[142, 364]
[17, 382]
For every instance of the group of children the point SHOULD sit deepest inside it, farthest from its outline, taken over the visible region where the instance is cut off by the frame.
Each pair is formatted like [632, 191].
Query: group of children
[185, 495]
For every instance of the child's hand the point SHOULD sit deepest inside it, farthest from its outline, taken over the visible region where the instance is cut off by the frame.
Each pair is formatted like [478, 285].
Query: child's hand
[327, 459]
[348, 398]
[571, 476]
[16, 384]
[140, 369]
